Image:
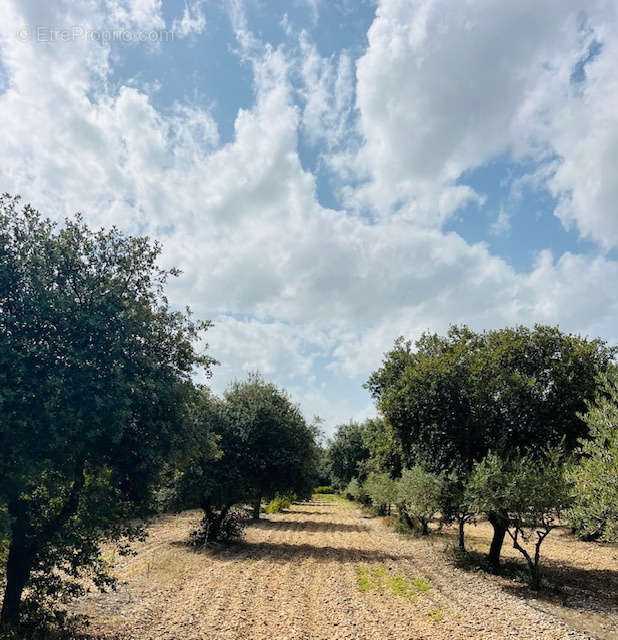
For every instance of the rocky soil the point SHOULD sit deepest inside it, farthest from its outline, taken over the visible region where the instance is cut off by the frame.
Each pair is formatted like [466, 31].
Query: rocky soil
[321, 570]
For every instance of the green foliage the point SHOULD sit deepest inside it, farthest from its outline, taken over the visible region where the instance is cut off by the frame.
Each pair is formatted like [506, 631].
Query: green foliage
[435, 615]
[380, 579]
[323, 490]
[265, 447]
[595, 477]
[528, 492]
[380, 488]
[418, 496]
[454, 503]
[279, 502]
[383, 447]
[356, 491]
[95, 396]
[452, 399]
[278, 452]
[346, 452]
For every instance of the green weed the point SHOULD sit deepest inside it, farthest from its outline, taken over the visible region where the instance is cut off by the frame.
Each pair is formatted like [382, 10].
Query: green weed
[379, 579]
[436, 615]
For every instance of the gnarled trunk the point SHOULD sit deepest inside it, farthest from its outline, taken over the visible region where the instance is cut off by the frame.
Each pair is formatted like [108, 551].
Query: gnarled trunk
[500, 526]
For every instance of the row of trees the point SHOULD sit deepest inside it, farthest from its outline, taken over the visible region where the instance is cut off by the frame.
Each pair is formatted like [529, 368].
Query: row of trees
[99, 415]
[517, 424]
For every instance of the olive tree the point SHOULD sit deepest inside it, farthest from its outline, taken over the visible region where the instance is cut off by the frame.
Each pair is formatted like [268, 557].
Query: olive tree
[418, 496]
[380, 488]
[454, 504]
[356, 491]
[528, 493]
[594, 514]
[95, 395]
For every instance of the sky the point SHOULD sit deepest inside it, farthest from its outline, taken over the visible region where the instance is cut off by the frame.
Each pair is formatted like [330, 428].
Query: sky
[330, 175]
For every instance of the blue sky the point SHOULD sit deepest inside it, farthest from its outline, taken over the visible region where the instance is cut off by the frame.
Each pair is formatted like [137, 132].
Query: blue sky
[331, 175]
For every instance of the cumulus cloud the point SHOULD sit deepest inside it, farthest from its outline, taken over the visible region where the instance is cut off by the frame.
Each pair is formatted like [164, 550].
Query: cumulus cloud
[445, 87]
[297, 290]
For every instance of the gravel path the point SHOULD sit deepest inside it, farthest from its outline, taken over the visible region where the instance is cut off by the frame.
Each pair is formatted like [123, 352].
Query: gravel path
[321, 570]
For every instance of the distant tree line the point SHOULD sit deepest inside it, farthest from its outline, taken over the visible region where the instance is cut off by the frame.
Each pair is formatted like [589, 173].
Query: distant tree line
[101, 423]
[518, 425]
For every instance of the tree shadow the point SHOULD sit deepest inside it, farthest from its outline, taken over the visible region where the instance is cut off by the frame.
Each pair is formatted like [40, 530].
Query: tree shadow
[282, 552]
[309, 525]
[585, 590]
[309, 513]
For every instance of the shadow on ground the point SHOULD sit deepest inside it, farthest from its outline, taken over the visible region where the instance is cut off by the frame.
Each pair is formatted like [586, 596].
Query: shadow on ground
[590, 590]
[284, 552]
[309, 525]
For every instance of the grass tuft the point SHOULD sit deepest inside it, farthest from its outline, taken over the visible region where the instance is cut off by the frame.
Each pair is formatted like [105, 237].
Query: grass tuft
[435, 615]
[380, 578]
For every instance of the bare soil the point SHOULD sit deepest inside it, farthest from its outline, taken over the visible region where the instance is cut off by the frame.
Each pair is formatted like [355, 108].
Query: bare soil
[324, 570]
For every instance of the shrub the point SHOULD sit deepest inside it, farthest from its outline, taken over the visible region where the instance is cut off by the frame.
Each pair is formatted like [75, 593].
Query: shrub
[322, 490]
[418, 496]
[228, 526]
[356, 491]
[279, 502]
[594, 514]
[381, 490]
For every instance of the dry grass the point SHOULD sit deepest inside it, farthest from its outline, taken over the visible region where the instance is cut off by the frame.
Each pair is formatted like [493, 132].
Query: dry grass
[296, 576]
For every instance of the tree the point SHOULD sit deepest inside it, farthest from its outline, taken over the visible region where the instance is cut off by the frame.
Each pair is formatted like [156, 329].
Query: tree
[95, 394]
[418, 496]
[528, 493]
[211, 477]
[595, 477]
[452, 399]
[381, 490]
[383, 448]
[277, 450]
[346, 452]
[356, 491]
[454, 504]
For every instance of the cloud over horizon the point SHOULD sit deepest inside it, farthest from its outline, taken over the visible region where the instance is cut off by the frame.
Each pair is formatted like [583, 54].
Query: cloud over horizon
[308, 185]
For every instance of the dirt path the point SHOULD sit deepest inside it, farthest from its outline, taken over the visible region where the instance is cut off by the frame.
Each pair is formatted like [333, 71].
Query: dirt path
[321, 570]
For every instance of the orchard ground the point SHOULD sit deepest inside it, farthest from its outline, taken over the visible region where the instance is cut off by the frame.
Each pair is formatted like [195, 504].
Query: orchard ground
[326, 570]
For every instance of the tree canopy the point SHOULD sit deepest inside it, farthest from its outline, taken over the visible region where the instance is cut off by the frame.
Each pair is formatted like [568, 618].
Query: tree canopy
[453, 398]
[265, 448]
[95, 390]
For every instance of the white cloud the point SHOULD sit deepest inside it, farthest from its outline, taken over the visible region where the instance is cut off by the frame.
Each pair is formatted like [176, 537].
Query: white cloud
[136, 14]
[193, 21]
[444, 87]
[502, 223]
[327, 92]
[297, 289]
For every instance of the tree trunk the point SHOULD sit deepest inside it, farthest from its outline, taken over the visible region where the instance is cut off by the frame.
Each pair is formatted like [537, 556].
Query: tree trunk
[256, 508]
[424, 526]
[407, 518]
[495, 549]
[18, 566]
[462, 544]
